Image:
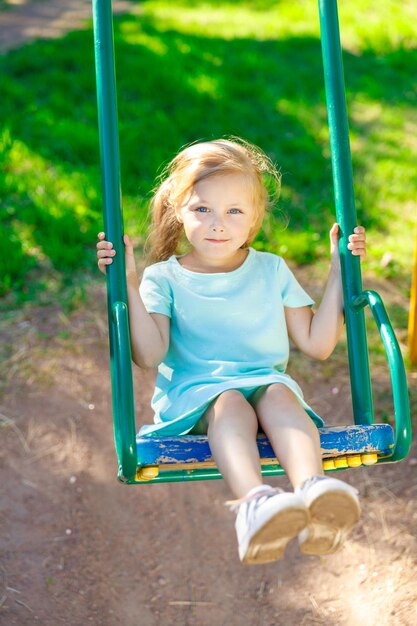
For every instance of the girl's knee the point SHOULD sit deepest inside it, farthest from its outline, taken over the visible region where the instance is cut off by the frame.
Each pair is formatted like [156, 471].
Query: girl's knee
[279, 406]
[278, 392]
[230, 405]
[230, 399]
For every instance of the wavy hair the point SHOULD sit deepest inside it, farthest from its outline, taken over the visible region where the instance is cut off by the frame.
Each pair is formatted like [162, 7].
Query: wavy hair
[198, 162]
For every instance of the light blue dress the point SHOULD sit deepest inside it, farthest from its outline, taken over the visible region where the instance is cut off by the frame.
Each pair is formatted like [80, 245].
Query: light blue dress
[228, 331]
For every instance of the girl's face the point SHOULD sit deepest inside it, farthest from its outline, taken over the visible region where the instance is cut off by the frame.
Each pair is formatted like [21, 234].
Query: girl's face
[217, 218]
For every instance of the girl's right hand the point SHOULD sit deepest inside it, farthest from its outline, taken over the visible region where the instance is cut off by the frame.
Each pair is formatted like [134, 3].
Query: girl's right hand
[106, 252]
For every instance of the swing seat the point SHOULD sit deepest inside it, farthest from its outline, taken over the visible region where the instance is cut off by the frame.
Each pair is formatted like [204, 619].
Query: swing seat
[188, 458]
[341, 447]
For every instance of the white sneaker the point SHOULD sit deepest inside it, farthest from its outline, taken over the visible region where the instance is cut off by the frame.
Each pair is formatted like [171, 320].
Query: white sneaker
[334, 509]
[267, 519]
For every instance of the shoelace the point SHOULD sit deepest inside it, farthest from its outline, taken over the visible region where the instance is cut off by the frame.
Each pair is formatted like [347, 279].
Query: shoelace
[311, 481]
[316, 479]
[257, 498]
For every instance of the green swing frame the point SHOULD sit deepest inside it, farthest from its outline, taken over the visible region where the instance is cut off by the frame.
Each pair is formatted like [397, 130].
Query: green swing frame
[189, 458]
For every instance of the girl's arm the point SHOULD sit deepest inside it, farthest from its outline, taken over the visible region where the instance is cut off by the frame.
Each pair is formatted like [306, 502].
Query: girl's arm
[149, 332]
[316, 334]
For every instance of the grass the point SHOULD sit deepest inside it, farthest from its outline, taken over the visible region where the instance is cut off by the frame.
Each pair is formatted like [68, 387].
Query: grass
[194, 70]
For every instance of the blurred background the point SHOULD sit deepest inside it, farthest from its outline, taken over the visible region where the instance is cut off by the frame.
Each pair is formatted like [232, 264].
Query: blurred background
[194, 70]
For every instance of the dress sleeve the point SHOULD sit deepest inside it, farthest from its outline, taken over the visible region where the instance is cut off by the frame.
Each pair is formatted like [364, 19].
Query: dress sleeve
[155, 291]
[293, 295]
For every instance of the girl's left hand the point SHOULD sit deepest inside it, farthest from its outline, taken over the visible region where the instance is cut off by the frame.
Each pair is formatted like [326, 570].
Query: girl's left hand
[357, 241]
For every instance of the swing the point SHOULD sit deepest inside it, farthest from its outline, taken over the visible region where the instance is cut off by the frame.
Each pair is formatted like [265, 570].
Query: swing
[174, 459]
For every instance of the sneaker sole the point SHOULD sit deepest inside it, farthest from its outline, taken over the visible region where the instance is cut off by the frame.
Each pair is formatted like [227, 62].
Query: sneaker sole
[332, 516]
[269, 543]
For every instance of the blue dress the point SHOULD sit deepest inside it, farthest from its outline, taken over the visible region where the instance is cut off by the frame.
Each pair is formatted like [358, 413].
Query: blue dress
[228, 331]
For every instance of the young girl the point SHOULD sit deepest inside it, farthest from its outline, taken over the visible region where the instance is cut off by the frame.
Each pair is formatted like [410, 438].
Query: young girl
[216, 322]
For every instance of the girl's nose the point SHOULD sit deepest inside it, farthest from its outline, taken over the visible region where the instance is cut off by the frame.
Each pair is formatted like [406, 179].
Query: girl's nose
[217, 224]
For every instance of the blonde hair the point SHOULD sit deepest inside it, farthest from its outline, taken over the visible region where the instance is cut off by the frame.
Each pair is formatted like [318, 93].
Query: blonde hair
[195, 163]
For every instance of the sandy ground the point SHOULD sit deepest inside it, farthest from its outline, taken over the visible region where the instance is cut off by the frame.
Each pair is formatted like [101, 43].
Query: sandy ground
[80, 548]
[48, 19]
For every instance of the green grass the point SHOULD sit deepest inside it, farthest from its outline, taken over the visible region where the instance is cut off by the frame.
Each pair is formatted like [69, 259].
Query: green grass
[199, 70]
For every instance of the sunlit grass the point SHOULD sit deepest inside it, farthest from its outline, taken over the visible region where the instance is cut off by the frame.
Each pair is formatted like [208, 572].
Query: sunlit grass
[388, 27]
[133, 36]
[233, 20]
[51, 219]
[197, 70]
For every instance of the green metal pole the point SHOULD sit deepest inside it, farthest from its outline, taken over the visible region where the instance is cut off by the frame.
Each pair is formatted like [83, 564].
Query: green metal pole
[120, 352]
[345, 210]
[397, 372]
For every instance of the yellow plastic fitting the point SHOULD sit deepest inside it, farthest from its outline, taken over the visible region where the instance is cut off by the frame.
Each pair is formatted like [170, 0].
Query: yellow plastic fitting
[147, 473]
[354, 460]
[369, 459]
[328, 464]
[341, 462]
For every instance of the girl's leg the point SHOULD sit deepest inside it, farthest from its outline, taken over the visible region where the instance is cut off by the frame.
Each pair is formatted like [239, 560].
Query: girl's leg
[293, 435]
[333, 505]
[267, 519]
[232, 426]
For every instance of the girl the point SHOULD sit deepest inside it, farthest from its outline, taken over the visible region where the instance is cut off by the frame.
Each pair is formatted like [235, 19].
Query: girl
[216, 322]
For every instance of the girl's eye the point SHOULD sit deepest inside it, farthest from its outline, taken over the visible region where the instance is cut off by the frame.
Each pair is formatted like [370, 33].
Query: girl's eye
[202, 209]
[235, 211]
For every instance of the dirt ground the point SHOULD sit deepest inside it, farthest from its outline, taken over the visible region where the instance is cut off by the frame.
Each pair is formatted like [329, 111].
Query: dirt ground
[25, 20]
[80, 548]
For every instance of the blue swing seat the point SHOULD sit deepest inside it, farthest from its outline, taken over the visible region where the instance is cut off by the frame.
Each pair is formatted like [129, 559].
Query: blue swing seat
[342, 447]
